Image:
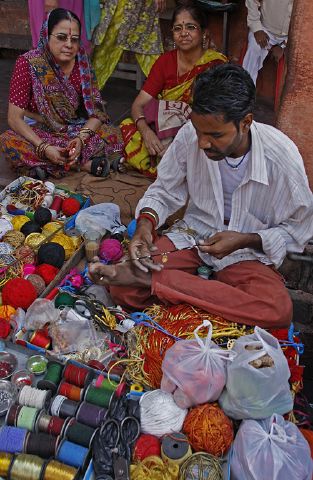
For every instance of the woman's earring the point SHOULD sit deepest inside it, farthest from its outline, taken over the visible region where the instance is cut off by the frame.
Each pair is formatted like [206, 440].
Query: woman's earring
[204, 45]
[174, 45]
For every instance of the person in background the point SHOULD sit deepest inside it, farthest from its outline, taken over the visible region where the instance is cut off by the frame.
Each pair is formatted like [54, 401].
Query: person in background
[248, 204]
[38, 10]
[170, 79]
[268, 22]
[56, 115]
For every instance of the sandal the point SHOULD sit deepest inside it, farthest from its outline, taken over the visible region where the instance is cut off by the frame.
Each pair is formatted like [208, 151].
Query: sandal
[100, 167]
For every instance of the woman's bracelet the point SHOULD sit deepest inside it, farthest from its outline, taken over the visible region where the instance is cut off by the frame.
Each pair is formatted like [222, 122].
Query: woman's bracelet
[81, 141]
[88, 131]
[152, 216]
[40, 150]
[141, 117]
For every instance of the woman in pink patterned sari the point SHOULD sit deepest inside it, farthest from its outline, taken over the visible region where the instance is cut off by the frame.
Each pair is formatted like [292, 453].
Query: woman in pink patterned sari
[57, 118]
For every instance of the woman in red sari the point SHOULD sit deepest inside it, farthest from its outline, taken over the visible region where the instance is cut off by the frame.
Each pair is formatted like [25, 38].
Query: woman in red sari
[56, 114]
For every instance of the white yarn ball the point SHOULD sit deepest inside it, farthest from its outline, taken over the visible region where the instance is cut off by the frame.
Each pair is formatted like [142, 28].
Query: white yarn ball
[159, 414]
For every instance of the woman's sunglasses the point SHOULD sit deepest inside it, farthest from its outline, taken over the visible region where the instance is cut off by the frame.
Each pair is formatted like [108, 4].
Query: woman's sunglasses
[63, 37]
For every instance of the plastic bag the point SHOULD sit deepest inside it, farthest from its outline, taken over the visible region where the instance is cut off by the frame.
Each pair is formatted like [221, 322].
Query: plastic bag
[270, 449]
[197, 367]
[257, 392]
[41, 311]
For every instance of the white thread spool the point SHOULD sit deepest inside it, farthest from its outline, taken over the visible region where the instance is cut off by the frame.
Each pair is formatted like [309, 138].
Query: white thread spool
[47, 201]
[50, 187]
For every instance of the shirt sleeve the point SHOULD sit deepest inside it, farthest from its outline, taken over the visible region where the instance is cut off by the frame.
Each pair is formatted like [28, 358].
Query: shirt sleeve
[254, 15]
[169, 192]
[156, 78]
[21, 84]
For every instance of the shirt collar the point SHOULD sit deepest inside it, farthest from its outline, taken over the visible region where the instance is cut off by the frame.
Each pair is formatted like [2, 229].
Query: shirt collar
[257, 169]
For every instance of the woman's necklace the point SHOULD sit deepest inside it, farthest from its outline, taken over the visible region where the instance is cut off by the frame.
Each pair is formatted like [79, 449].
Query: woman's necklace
[235, 167]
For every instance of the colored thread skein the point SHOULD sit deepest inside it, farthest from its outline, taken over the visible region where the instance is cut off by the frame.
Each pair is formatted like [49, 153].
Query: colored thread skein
[26, 467]
[78, 433]
[175, 448]
[72, 454]
[12, 439]
[55, 470]
[91, 415]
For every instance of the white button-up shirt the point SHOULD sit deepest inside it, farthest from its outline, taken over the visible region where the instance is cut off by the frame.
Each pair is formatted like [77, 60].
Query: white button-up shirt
[273, 199]
[273, 15]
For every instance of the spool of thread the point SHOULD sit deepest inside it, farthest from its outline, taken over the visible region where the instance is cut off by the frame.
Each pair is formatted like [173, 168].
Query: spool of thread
[57, 203]
[41, 444]
[72, 454]
[78, 376]
[175, 448]
[136, 387]
[47, 201]
[63, 407]
[12, 415]
[90, 414]
[40, 339]
[103, 382]
[55, 470]
[26, 467]
[64, 299]
[52, 377]
[70, 391]
[5, 463]
[50, 424]
[33, 397]
[98, 396]
[146, 446]
[12, 439]
[26, 418]
[78, 433]
[50, 187]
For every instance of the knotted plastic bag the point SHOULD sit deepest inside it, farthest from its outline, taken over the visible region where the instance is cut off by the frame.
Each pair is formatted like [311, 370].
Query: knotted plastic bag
[251, 391]
[195, 370]
[272, 449]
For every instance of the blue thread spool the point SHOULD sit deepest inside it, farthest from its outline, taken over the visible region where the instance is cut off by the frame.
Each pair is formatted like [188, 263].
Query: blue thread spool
[131, 228]
[72, 454]
[12, 439]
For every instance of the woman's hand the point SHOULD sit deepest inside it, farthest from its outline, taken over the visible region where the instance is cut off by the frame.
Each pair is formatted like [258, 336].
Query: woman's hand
[56, 155]
[75, 148]
[151, 141]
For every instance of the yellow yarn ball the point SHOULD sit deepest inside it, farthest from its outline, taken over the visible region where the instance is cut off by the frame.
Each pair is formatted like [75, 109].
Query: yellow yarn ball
[34, 240]
[66, 243]
[18, 221]
[51, 227]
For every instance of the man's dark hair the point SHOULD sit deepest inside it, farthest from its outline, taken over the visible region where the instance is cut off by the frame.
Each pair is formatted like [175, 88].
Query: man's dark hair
[226, 90]
[57, 15]
[195, 12]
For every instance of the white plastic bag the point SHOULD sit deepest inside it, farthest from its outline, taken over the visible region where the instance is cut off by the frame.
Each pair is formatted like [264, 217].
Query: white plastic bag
[197, 368]
[257, 392]
[270, 449]
[40, 312]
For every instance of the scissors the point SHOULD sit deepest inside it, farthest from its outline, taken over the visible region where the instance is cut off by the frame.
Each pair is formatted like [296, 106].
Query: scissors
[123, 434]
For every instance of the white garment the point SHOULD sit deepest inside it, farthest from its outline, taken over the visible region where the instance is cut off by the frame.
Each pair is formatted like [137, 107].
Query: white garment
[255, 55]
[231, 178]
[271, 15]
[273, 199]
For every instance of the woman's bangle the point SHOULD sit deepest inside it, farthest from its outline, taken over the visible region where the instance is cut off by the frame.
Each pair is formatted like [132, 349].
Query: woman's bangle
[81, 141]
[151, 215]
[147, 217]
[40, 150]
[141, 117]
[87, 130]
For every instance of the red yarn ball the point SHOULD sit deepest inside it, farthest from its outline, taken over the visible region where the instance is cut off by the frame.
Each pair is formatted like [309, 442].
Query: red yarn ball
[47, 272]
[110, 250]
[70, 206]
[146, 446]
[5, 328]
[18, 292]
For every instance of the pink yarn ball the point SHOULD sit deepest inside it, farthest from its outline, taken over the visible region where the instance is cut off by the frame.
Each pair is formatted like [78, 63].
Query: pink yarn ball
[111, 250]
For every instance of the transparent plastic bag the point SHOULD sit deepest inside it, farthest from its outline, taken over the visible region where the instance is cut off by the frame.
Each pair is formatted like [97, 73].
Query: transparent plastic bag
[197, 368]
[257, 392]
[40, 312]
[270, 449]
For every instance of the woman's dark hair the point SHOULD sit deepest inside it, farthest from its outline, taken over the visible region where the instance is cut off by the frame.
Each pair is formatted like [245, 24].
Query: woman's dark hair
[57, 15]
[226, 90]
[197, 13]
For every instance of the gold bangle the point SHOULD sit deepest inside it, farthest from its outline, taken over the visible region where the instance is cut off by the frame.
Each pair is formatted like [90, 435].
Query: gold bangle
[141, 117]
[152, 215]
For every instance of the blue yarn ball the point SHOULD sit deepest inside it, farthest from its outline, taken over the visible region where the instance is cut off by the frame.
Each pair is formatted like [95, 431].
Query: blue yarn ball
[131, 228]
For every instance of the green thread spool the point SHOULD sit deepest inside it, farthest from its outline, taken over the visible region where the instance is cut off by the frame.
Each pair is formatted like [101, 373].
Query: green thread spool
[52, 377]
[27, 418]
[78, 433]
[64, 299]
[98, 396]
[110, 386]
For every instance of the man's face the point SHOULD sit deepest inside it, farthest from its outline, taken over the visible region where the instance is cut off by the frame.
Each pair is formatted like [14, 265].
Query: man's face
[219, 139]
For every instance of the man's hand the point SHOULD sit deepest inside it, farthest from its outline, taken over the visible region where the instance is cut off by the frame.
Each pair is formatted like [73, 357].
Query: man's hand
[261, 38]
[277, 52]
[141, 245]
[224, 243]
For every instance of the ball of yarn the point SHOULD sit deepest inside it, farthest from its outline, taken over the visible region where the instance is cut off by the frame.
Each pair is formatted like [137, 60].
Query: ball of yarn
[51, 253]
[6, 311]
[159, 414]
[4, 328]
[37, 281]
[64, 299]
[14, 238]
[66, 243]
[50, 228]
[70, 206]
[79, 198]
[34, 240]
[145, 446]
[30, 227]
[208, 429]
[47, 272]
[131, 228]
[19, 292]
[42, 216]
[110, 250]
[18, 221]
[25, 253]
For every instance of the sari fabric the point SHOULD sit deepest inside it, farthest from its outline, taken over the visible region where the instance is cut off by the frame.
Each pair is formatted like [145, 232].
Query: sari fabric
[135, 151]
[63, 111]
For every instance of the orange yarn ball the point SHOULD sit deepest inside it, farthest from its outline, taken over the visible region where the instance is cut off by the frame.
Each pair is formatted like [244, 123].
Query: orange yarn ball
[208, 429]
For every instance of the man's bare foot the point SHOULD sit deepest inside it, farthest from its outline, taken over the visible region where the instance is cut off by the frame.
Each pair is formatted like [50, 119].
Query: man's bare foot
[120, 274]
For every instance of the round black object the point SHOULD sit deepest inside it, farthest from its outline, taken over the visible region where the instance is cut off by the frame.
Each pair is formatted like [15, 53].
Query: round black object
[51, 253]
[30, 227]
[42, 216]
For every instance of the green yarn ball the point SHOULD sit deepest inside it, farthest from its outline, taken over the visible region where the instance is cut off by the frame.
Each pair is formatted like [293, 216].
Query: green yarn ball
[64, 299]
